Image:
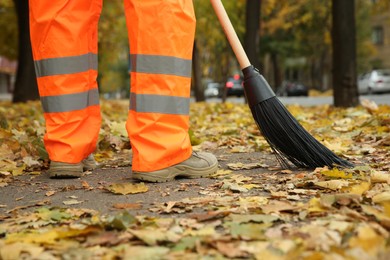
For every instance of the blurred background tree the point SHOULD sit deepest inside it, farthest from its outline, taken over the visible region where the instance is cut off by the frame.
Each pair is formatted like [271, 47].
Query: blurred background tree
[9, 30]
[113, 51]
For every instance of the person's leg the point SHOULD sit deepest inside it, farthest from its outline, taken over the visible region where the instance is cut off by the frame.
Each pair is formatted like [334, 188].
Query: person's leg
[161, 36]
[64, 44]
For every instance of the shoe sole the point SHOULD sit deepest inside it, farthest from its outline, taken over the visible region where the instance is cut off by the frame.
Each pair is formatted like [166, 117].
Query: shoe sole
[65, 173]
[170, 173]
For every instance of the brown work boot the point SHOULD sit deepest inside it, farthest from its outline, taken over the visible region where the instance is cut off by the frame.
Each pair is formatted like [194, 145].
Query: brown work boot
[62, 170]
[89, 163]
[199, 165]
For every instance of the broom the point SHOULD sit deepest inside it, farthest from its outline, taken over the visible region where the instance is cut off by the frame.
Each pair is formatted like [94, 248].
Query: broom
[287, 138]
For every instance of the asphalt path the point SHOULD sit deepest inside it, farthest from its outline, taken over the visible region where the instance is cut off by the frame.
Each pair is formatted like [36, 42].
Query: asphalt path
[379, 99]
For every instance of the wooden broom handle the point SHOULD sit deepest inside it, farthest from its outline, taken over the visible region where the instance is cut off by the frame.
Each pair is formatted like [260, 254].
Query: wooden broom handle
[231, 34]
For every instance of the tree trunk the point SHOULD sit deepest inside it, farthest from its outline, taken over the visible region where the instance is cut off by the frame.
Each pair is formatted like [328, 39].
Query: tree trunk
[252, 31]
[276, 70]
[197, 75]
[26, 87]
[345, 91]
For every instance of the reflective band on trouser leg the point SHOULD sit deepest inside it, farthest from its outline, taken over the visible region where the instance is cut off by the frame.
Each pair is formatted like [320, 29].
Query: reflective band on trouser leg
[64, 43]
[161, 35]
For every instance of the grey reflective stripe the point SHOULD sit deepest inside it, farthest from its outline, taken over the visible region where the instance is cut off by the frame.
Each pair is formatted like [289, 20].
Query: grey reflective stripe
[159, 104]
[70, 102]
[66, 65]
[160, 65]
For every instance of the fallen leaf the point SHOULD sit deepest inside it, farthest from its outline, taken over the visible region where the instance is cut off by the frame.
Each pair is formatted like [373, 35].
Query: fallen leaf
[359, 188]
[368, 240]
[72, 202]
[127, 206]
[50, 193]
[380, 177]
[231, 249]
[211, 215]
[145, 253]
[242, 166]
[379, 215]
[381, 197]
[336, 173]
[258, 218]
[278, 206]
[152, 236]
[332, 184]
[128, 188]
[221, 173]
[16, 250]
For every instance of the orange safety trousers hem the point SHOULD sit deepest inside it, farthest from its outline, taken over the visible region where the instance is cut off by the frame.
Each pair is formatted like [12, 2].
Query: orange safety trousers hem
[64, 42]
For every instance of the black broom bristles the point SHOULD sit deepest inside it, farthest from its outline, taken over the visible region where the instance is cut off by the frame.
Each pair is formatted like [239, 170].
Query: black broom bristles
[288, 139]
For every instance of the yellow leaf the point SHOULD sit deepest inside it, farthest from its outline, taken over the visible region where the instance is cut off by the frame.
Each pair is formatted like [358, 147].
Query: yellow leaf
[128, 188]
[379, 176]
[336, 173]
[316, 206]
[221, 172]
[251, 186]
[18, 170]
[48, 237]
[337, 147]
[368, 240]
[386, 206]
[381, 197]
[14, 250]
[360, 188]
[332, 184]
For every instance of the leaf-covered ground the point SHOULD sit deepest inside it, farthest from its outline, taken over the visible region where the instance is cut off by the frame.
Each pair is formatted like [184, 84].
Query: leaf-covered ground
[250, 209]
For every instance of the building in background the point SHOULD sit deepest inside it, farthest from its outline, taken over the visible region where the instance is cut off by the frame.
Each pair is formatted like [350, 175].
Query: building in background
[7, 77]
[380, 22]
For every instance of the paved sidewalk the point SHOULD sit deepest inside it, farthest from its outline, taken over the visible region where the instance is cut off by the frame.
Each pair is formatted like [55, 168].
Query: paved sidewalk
[29, 192]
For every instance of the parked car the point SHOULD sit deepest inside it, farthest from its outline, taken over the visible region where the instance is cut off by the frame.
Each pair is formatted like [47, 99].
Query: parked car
[213, 89]
[376, 81]
[292, 88]
[234, 86]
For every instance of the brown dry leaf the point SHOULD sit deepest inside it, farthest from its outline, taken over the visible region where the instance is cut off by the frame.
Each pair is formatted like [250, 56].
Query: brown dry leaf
[86, 185]
[379, 215]
[210, 215]
[231, 249]
[127, 206]
[50, 193]
[277, 206]
[370, 105]
[128, 188]
[279, 194]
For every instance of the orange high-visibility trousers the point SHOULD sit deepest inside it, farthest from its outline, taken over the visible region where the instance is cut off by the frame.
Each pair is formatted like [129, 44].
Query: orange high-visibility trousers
[161, 37]
[64, 44]
[64, 41]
